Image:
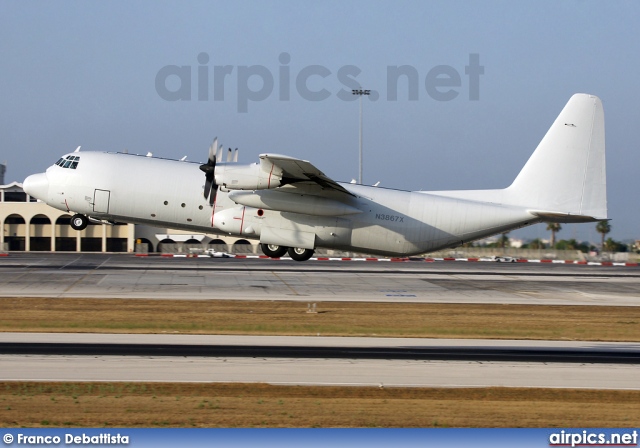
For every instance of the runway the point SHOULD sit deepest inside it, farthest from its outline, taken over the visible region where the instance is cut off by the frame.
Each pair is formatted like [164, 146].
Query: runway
[126, 276]
[335, 361]
[337, 370]
[618, 354]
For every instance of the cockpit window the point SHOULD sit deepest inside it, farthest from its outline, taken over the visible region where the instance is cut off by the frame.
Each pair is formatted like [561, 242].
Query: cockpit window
[69, 162]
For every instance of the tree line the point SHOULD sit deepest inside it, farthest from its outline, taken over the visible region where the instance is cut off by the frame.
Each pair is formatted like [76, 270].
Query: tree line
[602, 227]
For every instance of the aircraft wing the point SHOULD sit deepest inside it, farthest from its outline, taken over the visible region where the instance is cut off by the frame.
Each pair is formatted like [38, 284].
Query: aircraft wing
[301, 173]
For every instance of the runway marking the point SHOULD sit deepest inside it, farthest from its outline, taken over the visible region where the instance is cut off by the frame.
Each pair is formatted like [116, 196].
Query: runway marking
[13, 279]
[71, 286]
[397, 293]
[71, 262]
[296, 293]
[102, 264]
[74, 283]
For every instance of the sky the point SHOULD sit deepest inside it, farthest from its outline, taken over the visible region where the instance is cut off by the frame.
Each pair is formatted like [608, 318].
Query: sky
[276, 76]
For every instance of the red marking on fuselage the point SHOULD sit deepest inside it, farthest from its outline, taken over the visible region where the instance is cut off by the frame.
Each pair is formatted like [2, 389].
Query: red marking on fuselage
[66, 205]
[213, 209]
[241, 219]
[270, 172]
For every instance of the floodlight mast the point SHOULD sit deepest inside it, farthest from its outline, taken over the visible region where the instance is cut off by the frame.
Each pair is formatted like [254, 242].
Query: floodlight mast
[360, 93]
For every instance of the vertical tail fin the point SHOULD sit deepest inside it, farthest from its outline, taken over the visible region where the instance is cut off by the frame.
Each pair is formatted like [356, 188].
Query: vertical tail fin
[566, 173]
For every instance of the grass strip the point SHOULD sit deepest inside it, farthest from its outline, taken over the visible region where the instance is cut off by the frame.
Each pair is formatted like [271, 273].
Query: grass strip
[40, 404]
[589, 323]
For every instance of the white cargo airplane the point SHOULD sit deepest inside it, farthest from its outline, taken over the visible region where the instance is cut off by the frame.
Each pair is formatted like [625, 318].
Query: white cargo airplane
[291, 206]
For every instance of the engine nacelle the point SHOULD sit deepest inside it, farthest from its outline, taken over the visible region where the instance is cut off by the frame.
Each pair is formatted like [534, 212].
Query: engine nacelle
[256, 176]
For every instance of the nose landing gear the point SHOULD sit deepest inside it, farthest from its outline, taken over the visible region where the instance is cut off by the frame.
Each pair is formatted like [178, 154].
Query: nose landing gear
[79, 222]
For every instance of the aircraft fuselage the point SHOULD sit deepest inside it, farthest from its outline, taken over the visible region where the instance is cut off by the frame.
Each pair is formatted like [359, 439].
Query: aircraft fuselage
[168, 193]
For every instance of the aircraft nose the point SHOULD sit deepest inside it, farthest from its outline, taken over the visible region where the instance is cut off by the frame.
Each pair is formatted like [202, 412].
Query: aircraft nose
[37, 186]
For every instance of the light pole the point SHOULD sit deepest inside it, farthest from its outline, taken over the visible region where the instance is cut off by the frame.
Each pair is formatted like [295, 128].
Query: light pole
[360, 93]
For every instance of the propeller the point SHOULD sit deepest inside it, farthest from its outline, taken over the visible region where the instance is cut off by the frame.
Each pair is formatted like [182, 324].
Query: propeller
[209, 169]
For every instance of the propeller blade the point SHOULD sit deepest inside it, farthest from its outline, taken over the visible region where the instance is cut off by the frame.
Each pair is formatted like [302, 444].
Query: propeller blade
[212, 150]
[209, 170]
[214, 193]
[207, 186]
[219, 154]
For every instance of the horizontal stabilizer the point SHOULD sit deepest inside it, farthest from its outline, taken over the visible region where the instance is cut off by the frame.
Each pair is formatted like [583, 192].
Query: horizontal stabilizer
[563, 217]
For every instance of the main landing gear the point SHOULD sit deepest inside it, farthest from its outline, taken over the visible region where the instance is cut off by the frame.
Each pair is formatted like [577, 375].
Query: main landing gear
[273, 250]
[300, 254]
[296, 253]
[79, 222]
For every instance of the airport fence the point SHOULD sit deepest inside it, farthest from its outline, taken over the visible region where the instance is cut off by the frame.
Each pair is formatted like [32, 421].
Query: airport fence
[534, 254]
[460, 252]
[487, 252]
[183, 248]
[141, 248]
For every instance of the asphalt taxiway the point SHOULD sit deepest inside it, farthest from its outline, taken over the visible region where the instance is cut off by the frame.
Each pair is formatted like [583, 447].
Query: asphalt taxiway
[126, 276]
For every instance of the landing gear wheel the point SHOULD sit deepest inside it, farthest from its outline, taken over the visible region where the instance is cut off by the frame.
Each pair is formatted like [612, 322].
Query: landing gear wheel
[300, 254]
[79, 222]
[273, 250]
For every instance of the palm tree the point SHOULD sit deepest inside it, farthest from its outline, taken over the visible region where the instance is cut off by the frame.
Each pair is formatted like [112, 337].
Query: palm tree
[603, 227]
[553, 227]
[572, 244]
[536, 244]
[611, 245]
[503, 241]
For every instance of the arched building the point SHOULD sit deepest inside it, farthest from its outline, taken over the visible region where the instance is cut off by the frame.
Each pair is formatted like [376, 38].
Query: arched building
[30, 225]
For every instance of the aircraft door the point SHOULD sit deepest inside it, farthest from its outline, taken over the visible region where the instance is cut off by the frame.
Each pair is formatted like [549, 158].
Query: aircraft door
[101, 201]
